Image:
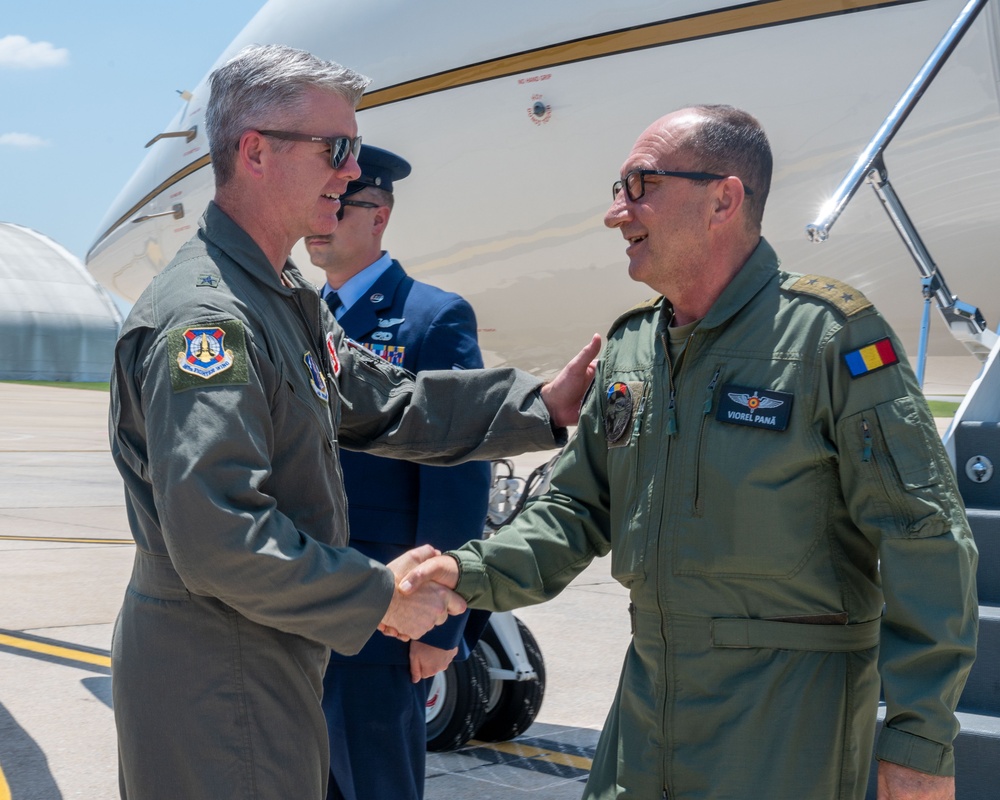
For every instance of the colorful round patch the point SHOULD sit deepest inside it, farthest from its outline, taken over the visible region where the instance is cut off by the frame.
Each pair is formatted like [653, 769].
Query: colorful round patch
[618, 411]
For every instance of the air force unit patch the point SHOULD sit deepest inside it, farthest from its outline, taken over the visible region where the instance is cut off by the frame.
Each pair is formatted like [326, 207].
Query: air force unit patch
[758, 408]
[204, 353]
[210, 355]
[316, 380]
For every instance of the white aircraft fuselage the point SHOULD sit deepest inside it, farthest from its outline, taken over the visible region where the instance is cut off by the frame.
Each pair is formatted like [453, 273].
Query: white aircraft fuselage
[517, 116]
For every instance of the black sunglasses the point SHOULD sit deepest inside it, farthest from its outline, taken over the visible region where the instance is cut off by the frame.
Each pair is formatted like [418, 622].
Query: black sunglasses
[634, 182]
[358, 203]
[340, 146]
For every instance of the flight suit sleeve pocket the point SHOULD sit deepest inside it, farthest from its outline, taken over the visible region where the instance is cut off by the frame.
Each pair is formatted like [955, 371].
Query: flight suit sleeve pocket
[907, 440]
[894, 475]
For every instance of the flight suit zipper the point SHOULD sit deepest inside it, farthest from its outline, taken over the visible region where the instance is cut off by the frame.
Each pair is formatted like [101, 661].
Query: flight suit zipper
[672, 397]
[705, 412]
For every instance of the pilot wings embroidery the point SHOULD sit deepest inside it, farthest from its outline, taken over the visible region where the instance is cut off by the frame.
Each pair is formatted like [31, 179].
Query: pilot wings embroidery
[753, 402]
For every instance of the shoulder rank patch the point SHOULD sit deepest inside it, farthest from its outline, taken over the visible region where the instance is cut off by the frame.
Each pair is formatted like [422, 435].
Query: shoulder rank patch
[875, 356]
[758, 408]
[846, 299]
[213, 355]
[207, 279]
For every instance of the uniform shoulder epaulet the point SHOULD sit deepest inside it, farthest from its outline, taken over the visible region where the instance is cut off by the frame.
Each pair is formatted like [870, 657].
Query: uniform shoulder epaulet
[838, 294]
[638, 308]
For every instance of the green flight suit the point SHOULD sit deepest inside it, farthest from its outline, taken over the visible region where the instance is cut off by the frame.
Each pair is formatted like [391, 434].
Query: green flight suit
[232, 391]
[747, 496]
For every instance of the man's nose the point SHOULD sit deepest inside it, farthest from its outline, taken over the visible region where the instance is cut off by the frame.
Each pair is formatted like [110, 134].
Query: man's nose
[618, 213]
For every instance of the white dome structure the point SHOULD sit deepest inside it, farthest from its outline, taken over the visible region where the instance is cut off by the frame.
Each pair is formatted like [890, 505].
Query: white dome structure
[56, 322]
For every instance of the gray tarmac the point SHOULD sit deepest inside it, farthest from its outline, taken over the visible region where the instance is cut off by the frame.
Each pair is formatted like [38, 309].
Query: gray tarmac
[65, 558]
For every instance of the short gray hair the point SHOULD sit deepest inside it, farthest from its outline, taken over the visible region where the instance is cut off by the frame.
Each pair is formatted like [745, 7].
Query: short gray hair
[729, 141]
[259, 86]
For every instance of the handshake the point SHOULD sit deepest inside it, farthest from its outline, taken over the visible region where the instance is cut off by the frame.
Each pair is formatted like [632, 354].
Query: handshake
[423, 597]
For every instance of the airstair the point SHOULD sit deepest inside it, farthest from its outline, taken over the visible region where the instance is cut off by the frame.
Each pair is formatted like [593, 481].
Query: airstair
[972, 441]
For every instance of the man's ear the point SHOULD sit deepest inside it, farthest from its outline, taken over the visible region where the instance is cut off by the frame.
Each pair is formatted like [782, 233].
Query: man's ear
[253, 153]
[380, 220]
[728, 200]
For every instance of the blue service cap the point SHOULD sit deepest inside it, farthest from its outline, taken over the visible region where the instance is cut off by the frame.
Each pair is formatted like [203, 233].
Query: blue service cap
[379, 168]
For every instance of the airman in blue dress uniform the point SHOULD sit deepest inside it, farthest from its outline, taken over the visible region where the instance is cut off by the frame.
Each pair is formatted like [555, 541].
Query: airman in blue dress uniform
[374, 701]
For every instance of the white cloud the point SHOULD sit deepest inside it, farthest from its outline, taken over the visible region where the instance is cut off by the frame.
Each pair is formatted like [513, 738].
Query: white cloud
[18, 52]
[25, 140]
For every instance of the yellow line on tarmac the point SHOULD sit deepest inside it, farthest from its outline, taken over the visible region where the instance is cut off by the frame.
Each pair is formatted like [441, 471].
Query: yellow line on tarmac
[53, 650]
[63, 539]
[539, 754]
[4, 788]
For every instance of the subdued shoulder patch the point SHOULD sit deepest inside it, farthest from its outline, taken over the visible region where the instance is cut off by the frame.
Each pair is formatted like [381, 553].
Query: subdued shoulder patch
[209, 355]
[841, 296]
[638, 308]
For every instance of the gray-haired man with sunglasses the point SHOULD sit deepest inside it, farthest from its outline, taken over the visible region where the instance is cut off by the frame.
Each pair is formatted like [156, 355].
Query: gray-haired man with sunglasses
[226, 420]
[766, 475]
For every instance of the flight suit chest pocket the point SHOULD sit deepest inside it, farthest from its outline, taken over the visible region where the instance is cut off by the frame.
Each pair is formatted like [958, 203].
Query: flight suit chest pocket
[308, 402]
[628, 416]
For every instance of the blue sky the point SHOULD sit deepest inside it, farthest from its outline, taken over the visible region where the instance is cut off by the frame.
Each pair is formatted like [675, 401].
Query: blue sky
[85, 85]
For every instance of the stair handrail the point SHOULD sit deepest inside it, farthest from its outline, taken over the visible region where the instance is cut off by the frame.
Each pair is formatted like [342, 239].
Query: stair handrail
[819, 229]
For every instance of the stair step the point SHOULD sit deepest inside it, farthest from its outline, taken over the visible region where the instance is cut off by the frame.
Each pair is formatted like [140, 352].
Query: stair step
[982, 690]
[985, 525]
[977, 754]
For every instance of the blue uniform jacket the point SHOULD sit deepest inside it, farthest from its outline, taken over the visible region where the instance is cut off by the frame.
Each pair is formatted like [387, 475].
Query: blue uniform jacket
[395, 505]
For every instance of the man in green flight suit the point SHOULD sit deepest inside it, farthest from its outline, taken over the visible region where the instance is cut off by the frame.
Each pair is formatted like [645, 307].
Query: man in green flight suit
[232, 390]
[759, 461]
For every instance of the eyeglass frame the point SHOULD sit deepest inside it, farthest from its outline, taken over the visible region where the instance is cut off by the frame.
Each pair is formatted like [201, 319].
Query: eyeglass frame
[345, 145]
[622, 183]
[358, 203]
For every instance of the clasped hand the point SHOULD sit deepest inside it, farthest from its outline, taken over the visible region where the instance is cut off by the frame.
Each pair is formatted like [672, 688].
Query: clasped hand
[421, 605]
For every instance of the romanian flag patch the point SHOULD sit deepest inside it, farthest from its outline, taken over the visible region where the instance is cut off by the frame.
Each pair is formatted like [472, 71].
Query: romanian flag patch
[871, 357]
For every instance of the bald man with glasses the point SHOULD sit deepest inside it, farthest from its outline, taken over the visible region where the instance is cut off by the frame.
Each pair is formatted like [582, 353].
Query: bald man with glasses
[760, 464]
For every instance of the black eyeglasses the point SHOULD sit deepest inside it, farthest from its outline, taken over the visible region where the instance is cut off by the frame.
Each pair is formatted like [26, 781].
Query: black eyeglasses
[340, 146]
[358, 203]
[634, 182]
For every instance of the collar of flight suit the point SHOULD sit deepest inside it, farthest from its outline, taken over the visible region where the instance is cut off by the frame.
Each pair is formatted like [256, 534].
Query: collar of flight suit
[754, 275]
[221, 230]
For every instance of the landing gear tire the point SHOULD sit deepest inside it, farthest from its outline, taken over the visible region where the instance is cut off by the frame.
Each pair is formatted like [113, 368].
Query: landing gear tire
[512, 705]
[456, 703]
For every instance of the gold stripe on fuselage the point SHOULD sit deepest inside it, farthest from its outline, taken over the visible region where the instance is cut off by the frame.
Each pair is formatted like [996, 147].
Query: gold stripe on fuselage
[718, 22]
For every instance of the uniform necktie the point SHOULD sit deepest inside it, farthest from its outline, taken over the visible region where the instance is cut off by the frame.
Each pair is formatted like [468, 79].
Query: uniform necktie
[333, 301]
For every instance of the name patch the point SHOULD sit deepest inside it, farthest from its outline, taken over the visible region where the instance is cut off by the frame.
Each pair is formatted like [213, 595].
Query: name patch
[758, 408]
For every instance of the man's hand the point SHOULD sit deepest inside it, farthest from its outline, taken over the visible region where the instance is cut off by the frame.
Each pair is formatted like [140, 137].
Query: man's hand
[436, 569]
[896, 782]
[564, 393]
[426, 661]
[423, 607]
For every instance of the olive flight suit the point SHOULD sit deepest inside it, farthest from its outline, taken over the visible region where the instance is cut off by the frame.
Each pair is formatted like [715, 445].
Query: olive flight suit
[761, 500]
[232, 390]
